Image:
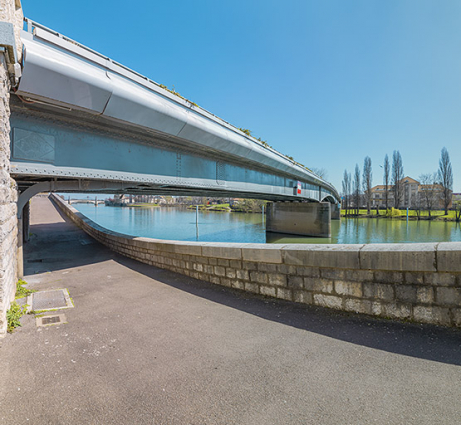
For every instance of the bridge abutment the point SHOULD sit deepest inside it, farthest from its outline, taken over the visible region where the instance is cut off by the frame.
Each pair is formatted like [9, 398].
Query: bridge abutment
[299, 218]
[11, 23]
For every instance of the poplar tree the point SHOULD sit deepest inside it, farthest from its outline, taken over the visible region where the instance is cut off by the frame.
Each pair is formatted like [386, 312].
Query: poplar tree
[446, 178]
[367, 181]
[397, 176]
[386, 179]
[357, 188]
[346, 189]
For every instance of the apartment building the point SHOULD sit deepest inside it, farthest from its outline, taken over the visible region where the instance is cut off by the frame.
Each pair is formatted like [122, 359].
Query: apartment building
[413, 194]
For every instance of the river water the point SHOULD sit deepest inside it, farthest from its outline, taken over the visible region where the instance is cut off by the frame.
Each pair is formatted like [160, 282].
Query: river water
[180, 224]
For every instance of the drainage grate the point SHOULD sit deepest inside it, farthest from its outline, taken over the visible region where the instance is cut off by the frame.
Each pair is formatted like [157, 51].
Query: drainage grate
[51, 319]
[50, 300]
[57, 319]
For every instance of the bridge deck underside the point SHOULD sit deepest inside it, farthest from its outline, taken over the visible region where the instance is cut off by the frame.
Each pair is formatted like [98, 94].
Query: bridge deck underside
[91, 155]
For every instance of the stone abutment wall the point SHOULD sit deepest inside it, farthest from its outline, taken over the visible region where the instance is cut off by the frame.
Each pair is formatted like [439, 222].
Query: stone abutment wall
[418, 282]
[10, 11]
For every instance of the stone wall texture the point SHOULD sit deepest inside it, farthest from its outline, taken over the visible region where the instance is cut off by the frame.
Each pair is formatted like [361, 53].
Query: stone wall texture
[417, 282]
[10, 11]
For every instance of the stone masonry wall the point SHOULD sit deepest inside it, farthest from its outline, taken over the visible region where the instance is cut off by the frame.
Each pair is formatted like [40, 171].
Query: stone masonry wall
[10, 11]
[418, 282]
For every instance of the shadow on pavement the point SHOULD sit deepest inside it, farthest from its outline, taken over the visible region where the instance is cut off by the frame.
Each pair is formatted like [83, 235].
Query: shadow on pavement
[61, 245]
[422, 341]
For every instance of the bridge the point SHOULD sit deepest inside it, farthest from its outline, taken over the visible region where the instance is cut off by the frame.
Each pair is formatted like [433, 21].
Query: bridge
[85, 201]
[81, 122]
[73, 120]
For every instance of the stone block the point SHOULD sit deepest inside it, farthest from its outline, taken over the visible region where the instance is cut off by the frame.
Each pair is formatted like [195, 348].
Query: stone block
[348, 288]
[213, 261]
[284, 294]
[359, 275]
[396, 310]
[286, 269]
[226, 282]
[431, 314]
[235, 264]
[215, 279]
[301, 296]
[267, 268]
[252, 287]
[448, 255]
[357, 306]
[448, 296]
[388, 277]
[208, 269]
[249, 265]
[328, 256]
[376, 308]
[231, 273]
[258, 277]
[295, 282]
[406, 293]
[379, 290]
[223, 262]
[330, 301]
[277, 279]
[414, 278]
[238, 284]
[219, 271]
[308, 271]
[243, 275]
[267, 290]
[262, 253]
[318, 285]
[332, 274]
[456, 317]
[219, 250]
[398, 257]
[425, 294]
[440, 279]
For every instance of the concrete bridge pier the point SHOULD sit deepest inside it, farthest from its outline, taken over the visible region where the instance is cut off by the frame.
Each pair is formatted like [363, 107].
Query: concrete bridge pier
[335, 210]
[299, 218]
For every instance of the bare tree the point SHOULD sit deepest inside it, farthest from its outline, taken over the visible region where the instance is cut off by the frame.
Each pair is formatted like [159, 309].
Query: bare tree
[428, 191]
[386, 179]
[346, 190]
[446, 178]
[367, 181]
[397, 176]
[357, 188]
[321, 172]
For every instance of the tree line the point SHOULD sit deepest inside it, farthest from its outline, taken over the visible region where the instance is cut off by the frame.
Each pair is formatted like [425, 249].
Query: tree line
[357, 188]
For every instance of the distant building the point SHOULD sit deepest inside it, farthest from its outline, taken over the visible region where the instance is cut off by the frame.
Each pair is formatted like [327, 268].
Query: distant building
[412, 194]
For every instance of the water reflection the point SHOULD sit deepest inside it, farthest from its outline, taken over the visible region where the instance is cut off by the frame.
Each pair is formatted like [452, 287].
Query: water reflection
[180, 224]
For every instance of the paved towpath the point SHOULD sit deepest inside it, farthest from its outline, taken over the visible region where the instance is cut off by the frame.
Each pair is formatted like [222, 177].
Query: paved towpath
[147, 346]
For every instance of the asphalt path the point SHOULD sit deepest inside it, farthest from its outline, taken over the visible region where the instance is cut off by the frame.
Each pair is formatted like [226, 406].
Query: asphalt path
[147, 346]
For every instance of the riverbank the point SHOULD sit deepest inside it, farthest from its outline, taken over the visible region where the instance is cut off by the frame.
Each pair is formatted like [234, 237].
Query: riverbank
[393, 214]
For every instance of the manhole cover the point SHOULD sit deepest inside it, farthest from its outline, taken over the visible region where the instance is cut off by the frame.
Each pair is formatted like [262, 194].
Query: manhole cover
[57, 319]
[50, 300]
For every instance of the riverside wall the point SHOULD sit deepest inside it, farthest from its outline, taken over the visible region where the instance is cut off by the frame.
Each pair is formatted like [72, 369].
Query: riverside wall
[417, 282]
[11, 12]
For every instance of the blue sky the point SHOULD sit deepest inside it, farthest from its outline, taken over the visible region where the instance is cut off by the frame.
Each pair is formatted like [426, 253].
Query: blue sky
[327, 82]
